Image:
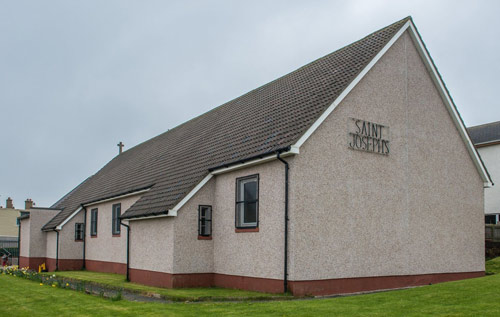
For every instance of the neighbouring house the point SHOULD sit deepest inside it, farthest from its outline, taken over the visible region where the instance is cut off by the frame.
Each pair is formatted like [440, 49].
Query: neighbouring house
[486, 138]
[352, 173]
[8, 219]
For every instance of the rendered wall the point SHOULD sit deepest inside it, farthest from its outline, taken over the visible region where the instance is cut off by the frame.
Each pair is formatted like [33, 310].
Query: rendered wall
[25, 237]
[490, 155]
[190, 254]
[151, 244]
[416, 211]
[68, 247]
[38, 218]
[105, 247]
[253, 254]
[8, 222]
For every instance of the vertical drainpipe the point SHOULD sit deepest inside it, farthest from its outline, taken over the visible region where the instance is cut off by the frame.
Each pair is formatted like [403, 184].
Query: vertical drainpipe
[84, 233]
[128, 249]
[19, 244]
[285, 274]
[57, 249]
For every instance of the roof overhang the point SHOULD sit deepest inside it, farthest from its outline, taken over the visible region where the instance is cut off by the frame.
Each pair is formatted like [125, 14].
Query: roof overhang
[288, 151]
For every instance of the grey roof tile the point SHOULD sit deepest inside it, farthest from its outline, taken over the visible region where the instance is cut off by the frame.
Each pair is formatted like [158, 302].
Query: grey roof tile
[485, 133]
[267, 119]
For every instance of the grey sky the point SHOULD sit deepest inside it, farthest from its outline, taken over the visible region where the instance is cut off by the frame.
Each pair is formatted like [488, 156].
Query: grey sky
[76, 77]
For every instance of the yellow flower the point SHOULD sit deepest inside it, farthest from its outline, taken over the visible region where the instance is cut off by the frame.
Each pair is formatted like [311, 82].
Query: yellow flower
[67, 284]
[53, 285]
[41, 284]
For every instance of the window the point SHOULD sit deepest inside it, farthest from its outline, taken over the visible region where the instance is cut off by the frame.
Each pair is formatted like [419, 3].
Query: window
[117, 211]
[490, 219]
[205, 221]
[247, 202]
[93, 222]
[78, 231]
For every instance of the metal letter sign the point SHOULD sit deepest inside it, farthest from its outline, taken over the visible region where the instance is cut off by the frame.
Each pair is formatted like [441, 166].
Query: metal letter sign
[368, 136]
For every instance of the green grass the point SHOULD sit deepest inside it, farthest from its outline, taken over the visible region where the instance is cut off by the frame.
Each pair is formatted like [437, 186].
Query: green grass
[493, 266]
[473, 297]
[117, 281]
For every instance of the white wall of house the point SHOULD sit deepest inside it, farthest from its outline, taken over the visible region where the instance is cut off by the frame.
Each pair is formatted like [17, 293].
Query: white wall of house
[491, 158]
[106, 247]
[417, 210]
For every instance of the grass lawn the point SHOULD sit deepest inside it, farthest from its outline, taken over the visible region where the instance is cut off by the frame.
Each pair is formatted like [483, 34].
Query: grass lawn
[117, 281]
[473, 297]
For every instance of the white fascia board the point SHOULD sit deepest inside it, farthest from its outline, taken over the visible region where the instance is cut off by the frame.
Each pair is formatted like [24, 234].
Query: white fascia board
[435, 77]
[450, 106]
[351, 86]
[293, 151]
[116, 197]
[98, 202]
[173, 212]
[58, 228]
[144, 218]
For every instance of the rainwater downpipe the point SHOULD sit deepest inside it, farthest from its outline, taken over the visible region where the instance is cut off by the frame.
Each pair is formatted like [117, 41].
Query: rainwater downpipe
[19, 244]
[57, 249]
[285, 274]
[128, 249]
[84, 234]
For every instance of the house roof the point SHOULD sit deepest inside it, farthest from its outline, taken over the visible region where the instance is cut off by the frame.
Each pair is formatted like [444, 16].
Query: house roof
[485, 134]
[266, 120]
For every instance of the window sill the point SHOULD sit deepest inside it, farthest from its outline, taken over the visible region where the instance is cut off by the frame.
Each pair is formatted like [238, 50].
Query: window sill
[204, 238]
[238, 230]
[78, 240]
[94, 236]
[116, 235]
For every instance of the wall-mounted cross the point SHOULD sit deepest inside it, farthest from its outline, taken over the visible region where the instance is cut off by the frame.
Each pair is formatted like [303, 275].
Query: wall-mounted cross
[120, 145]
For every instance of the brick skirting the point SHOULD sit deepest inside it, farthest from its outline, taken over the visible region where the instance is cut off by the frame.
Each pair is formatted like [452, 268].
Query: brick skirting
[298, 288]
[50, 263]
[106, 267]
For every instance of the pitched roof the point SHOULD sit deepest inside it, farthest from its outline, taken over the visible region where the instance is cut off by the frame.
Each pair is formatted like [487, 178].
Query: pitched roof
[485, 133]
[265, 120]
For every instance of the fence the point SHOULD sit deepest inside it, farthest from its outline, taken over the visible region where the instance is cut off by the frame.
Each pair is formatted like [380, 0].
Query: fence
[492, 232]
[10, 247]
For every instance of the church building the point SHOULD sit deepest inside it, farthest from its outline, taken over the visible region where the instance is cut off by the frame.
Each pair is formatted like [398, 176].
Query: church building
[352, 173]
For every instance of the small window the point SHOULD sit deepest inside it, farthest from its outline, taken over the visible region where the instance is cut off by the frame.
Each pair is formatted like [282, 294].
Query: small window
[490, 219]
[247, 202]
[79, 231]
[93, 222]
[205, 221]
[117, 211]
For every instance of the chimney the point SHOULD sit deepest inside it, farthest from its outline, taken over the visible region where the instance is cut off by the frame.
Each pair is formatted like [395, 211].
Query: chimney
[9, 204]
[28, 204]
[120, 145]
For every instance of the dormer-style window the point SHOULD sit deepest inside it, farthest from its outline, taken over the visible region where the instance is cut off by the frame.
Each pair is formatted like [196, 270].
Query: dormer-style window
[93, 222]
[117, 211]
[205, 221]
[79, 230]
[247, 202]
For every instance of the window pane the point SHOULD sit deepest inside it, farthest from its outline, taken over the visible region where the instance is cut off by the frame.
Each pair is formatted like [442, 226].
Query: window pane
[250, 189]
[250, 213]
[239, 214]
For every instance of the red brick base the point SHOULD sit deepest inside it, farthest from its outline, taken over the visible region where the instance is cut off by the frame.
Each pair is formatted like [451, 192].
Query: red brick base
[106, 267]
[50, 264]
[361, 284]
[298, 288]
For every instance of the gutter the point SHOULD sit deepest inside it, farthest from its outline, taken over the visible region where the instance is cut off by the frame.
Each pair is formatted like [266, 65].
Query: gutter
[285, 257]
[128, 250]
[19, 243]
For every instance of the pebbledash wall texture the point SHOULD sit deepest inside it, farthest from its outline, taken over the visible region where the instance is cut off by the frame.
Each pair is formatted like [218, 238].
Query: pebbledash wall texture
[385, 191]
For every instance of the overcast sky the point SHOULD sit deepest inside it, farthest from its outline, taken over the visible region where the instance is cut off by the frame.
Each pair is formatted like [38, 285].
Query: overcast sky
[77, 77]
